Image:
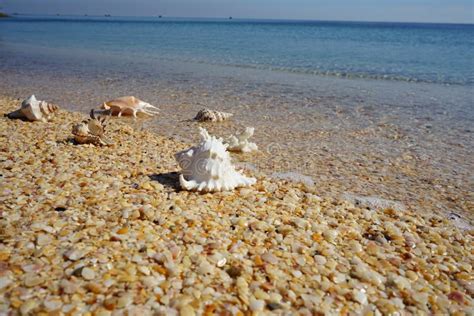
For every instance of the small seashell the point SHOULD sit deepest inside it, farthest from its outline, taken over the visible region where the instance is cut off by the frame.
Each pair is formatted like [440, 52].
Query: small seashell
[129, 105]
[34, 110]
[91, 131]
[240, 142]
[221, 262]
[207, 167]
[207, 115]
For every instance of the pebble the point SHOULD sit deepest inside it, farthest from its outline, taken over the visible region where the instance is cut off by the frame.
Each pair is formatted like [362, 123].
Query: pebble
[187, 311]
[297, 273]
[52, 305]
[269, 258]
[321, 260]
[256, 305]
[4, 282]
[125, 300]
[88, 273]
[360, 296]
[68, 286]
[32, 280]
[75, 254]
[28, 306]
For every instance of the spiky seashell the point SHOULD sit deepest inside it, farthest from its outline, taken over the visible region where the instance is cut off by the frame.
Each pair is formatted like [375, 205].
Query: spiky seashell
[91, 131]
[240, 142]
[207, 115]
[129, 106]
[207, 167]
[34, 110]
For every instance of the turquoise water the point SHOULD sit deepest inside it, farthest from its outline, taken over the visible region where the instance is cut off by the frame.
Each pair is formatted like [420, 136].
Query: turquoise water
[436, 53]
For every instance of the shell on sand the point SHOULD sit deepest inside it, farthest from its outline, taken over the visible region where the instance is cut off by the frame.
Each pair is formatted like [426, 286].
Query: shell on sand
[34, 110]
[207, 115]
[240, 142]
[207, 167]
[129, 105]
[91, 131]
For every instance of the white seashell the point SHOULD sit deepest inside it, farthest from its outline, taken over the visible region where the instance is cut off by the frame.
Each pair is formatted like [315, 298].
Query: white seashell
[91, 131]
[207, 167]
[206, 115]
[129, 106]
[34, 110]
[240, 143]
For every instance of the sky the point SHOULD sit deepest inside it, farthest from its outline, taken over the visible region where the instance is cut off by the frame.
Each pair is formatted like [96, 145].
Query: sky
[448, 11]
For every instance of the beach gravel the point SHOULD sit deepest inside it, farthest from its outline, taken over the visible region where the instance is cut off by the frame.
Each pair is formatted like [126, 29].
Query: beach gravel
[91, 230]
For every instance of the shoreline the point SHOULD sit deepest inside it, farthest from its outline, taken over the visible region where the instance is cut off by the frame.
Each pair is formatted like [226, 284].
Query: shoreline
[357, 144]
[106, 230]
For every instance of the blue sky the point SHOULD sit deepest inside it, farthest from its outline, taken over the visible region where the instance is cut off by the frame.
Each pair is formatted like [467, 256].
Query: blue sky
[451, 11]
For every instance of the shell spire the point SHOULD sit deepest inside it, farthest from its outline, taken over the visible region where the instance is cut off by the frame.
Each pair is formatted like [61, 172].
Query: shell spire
[207, 167]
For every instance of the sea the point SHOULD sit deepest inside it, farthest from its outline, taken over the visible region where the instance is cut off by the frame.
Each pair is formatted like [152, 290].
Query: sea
[370, 108]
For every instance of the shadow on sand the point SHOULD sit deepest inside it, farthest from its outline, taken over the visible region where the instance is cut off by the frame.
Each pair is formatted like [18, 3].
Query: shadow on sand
[169, 180]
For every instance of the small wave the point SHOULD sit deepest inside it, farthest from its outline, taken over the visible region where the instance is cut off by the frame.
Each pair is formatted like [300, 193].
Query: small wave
[355, 75]
[338, 74]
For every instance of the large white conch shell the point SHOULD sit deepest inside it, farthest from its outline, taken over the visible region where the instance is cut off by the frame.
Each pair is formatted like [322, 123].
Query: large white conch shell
[207, 115]
[240, 142]
[207, 167]
[34, 110]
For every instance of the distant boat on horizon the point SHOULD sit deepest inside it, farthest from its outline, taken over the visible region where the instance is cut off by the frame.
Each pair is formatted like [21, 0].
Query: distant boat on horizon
[230, 18]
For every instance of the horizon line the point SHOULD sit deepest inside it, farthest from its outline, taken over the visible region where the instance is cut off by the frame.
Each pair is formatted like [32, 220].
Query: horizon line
[107, 15]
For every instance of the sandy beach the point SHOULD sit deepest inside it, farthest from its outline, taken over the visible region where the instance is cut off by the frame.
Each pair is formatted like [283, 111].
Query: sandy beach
[91, 230]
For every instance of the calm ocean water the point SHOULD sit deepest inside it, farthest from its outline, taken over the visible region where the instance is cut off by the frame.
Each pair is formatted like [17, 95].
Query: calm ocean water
[436, 53]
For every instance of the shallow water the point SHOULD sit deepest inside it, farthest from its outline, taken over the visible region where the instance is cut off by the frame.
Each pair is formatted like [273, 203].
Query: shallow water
[397, 139]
